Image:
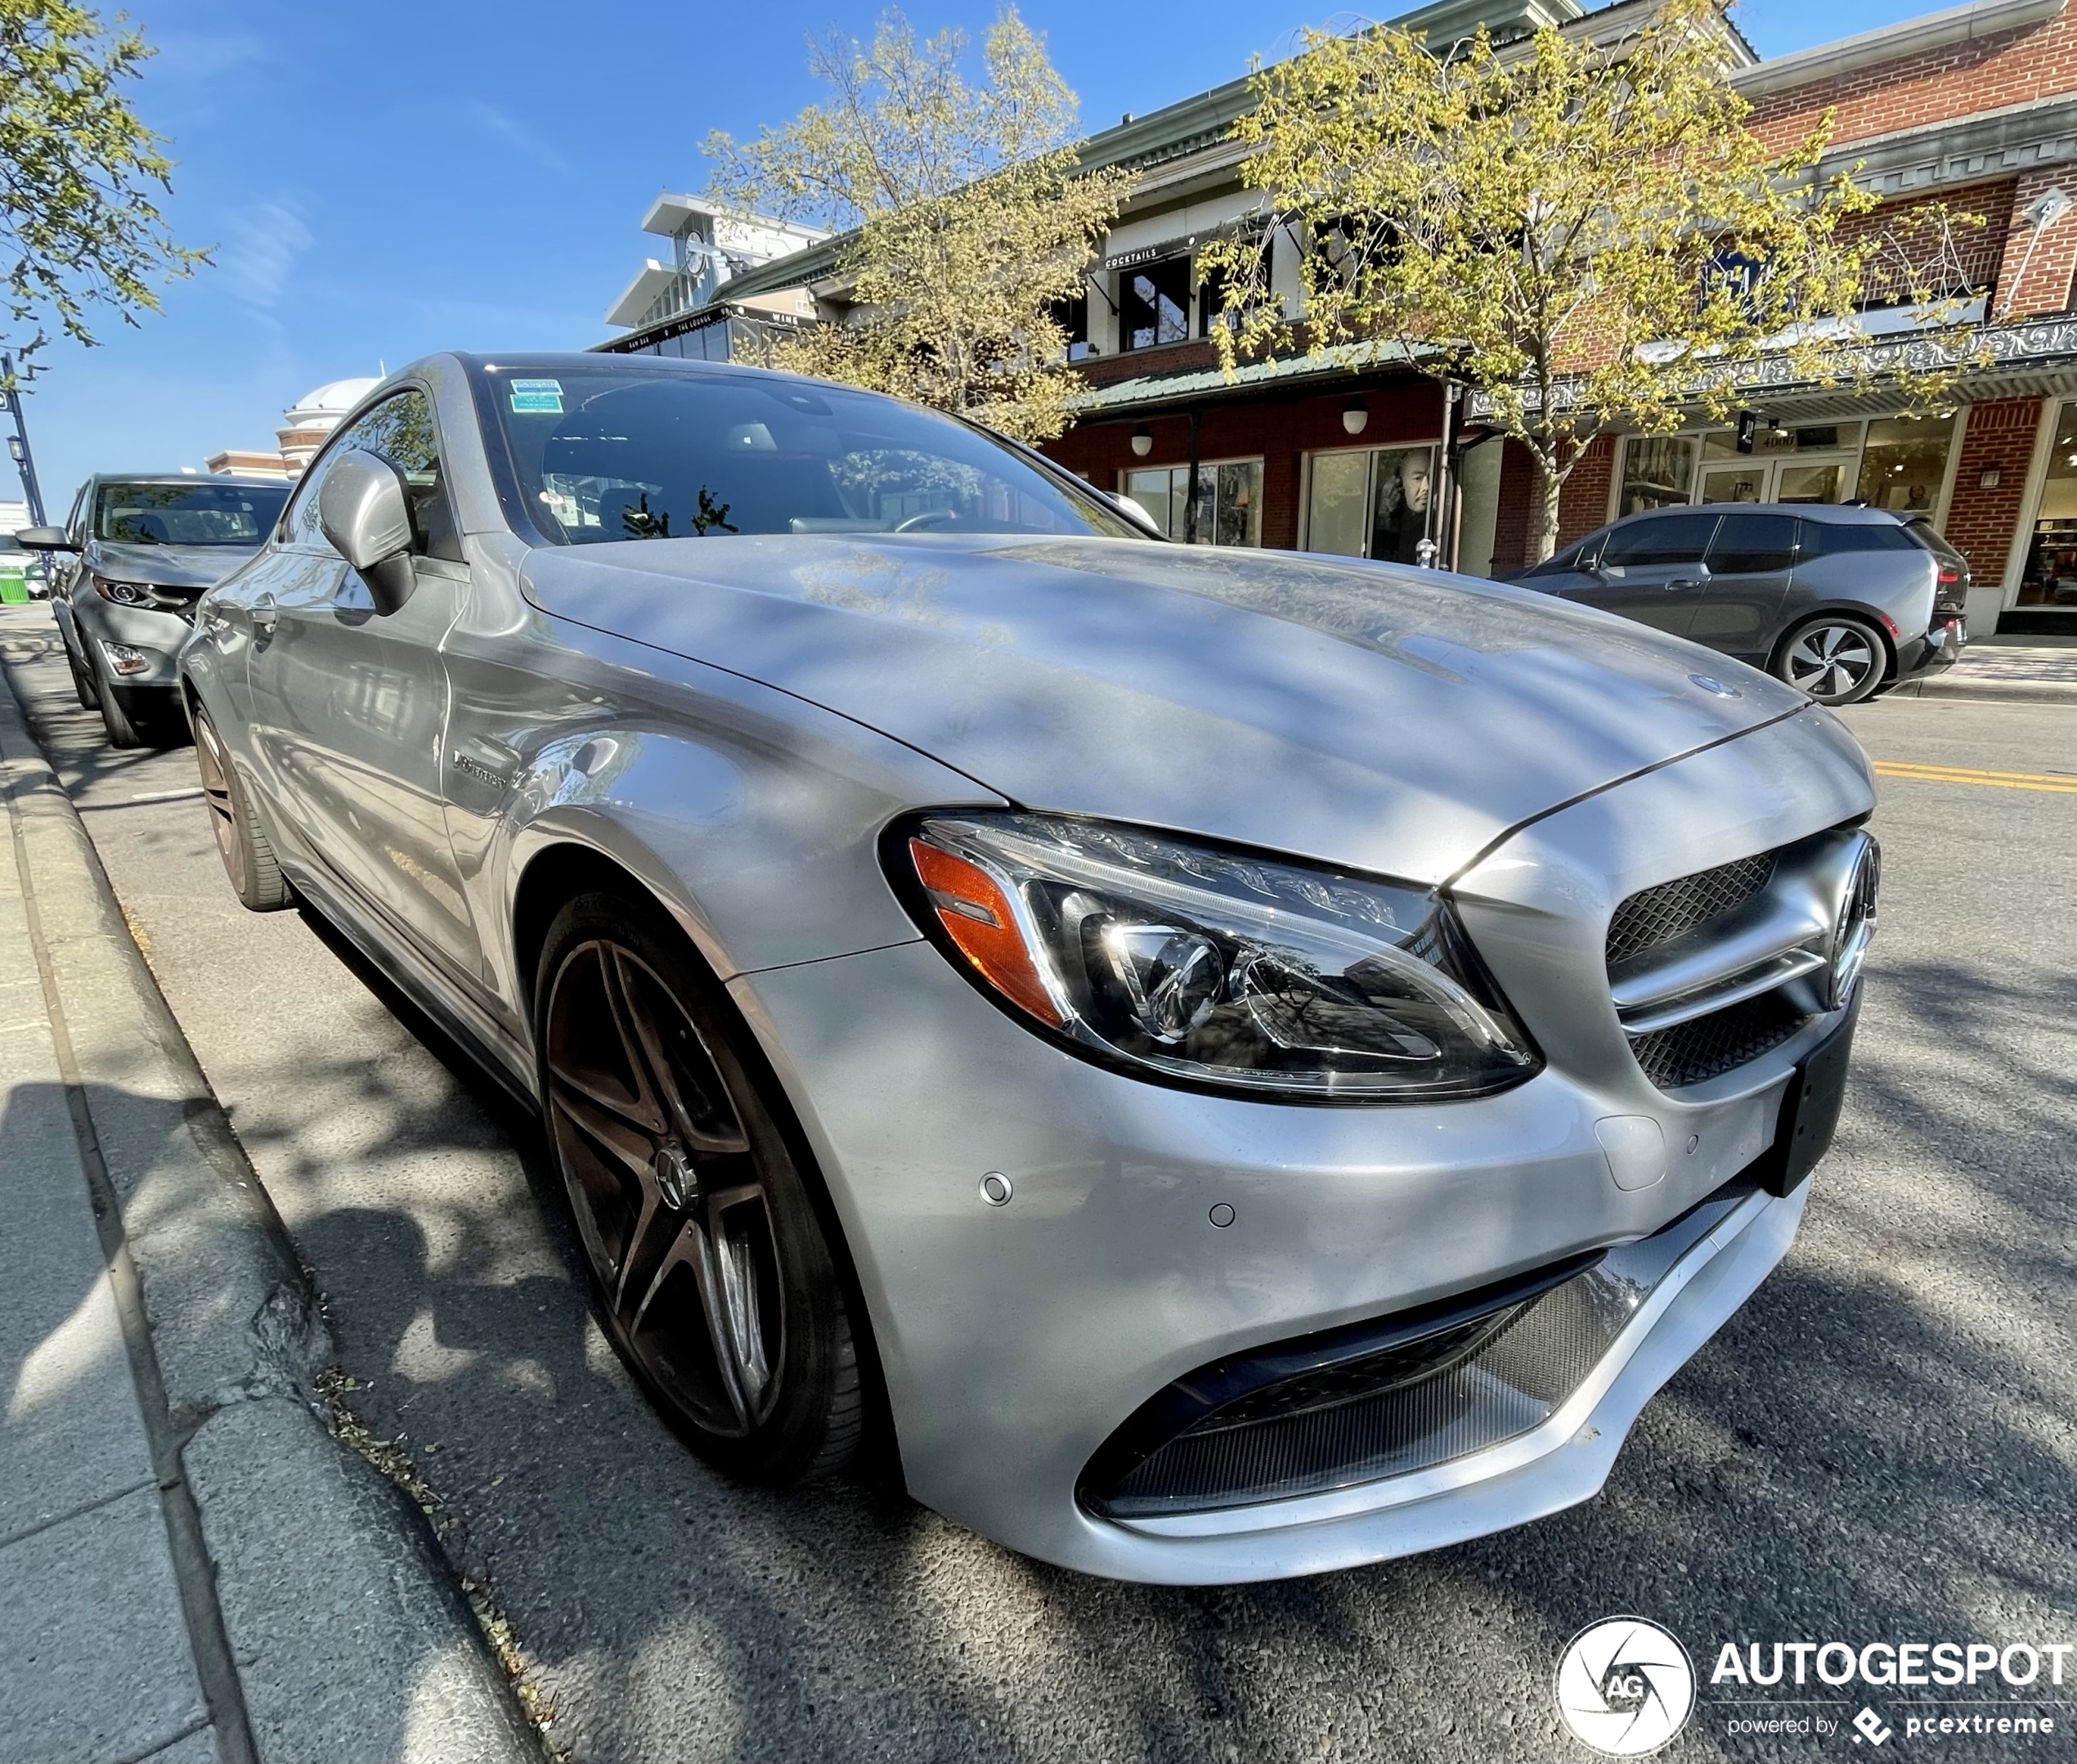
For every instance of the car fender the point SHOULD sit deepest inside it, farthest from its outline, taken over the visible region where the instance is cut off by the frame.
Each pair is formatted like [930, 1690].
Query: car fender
[758, 831]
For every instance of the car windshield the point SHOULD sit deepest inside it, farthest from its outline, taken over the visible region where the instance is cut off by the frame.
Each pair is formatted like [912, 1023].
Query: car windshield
[195, 513]
[614, 454]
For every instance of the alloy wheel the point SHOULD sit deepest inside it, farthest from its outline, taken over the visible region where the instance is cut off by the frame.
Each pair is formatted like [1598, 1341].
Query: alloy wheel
[216, 790]
[1833, 662]
[674, 1213]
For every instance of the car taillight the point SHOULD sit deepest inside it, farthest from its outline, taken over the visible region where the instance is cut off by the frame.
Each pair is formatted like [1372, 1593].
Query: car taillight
[1949, 576]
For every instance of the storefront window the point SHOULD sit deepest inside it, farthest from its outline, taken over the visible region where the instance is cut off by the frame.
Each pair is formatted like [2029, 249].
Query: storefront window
[1229, 500]
[2050, 574]
[1370, 504]
[1905, 462]
[1154, 304]
[1658, 472]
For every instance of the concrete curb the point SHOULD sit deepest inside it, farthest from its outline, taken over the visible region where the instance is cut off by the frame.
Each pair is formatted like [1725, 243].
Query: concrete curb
[348, 1637]
[1989, 691]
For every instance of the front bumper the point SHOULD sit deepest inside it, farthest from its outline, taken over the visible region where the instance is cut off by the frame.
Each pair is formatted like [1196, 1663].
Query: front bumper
[153, 634]
[1017, 1339]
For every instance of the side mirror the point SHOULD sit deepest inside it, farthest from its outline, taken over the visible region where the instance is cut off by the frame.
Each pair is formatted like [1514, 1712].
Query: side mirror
[361, 511]
[44, 539]
[1133, 511]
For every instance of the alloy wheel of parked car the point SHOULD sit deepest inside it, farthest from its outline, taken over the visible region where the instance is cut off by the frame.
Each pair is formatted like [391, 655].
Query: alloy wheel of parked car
[81, 684]
[1837, 661]
[122, 732]
[711, 1272]
[247, 858]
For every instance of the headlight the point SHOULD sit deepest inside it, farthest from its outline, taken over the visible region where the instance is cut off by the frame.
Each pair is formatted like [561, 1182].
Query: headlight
[144, 594]
[1216, 967]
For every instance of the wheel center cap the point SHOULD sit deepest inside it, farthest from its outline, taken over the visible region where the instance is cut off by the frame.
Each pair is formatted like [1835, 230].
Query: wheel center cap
[676, 1179]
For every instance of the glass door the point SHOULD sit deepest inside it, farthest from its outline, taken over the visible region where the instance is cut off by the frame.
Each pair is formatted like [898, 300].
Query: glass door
[1792, 480]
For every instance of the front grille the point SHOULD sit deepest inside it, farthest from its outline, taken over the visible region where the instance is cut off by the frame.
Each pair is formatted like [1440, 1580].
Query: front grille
[1707, 1047]
[1658, 915]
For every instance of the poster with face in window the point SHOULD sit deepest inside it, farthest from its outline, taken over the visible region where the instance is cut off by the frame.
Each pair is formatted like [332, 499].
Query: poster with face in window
[1399, 509]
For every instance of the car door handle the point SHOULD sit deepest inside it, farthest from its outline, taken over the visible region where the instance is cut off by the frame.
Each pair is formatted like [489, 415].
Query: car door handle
[266, 613]
[1685, 581]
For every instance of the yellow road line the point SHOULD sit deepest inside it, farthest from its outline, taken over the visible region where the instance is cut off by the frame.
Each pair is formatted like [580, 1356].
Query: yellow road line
[1961, 774]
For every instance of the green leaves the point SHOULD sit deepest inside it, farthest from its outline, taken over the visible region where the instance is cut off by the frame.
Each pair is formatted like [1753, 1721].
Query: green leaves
[969, 222]
[1547, 219]
[78, 227]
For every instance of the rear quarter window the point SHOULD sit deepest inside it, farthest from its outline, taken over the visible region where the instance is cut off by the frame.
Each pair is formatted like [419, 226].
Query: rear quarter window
[1825, 539]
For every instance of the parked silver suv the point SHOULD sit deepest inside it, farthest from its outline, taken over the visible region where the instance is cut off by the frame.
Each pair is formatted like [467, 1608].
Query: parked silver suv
[133, 557]
[1837, 602]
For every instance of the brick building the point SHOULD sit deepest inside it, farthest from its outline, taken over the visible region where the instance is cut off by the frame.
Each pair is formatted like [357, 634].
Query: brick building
[1975, 109]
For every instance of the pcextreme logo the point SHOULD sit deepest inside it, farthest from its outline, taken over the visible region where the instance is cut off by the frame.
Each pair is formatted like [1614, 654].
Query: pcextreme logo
[1625, 1686]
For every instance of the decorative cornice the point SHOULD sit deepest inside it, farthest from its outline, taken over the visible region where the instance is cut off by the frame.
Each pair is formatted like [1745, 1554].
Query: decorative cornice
[1974, 350]
[1935, 30]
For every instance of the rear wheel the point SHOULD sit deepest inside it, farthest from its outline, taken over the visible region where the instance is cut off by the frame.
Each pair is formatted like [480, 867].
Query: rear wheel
[248, 856]
[1837, 660]
[710, 1267]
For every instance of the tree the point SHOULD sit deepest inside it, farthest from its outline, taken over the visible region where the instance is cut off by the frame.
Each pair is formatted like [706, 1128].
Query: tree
[77, 171]
[1585, 231]
[969, 224]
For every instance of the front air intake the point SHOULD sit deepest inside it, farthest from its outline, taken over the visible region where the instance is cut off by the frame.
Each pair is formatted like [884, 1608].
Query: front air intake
[1387, 1398]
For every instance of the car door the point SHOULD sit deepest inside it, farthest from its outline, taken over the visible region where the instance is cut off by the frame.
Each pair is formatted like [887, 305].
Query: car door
[350, 709]
[1748, 563]
[1651, 569]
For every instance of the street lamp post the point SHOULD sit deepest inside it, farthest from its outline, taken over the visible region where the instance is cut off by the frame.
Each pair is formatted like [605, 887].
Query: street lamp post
[18, 442]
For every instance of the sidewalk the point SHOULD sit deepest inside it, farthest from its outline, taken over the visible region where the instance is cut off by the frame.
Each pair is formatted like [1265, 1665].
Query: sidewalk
[192, 1568]
[2013, 670]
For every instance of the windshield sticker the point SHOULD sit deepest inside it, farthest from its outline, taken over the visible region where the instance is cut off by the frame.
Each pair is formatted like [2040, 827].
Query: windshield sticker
[538, 395]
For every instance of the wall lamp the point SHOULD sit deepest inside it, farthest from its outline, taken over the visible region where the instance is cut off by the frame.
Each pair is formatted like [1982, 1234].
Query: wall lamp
[1355, 416]
[1143, 440]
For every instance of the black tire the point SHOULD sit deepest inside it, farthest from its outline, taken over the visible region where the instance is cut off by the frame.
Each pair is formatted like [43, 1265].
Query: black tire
[708, 1259]
[81, 684]
[1836, 659]
[122, 732]
[248, 856]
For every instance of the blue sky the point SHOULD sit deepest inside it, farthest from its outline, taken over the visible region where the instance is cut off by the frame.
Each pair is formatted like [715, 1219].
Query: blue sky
[386, 179]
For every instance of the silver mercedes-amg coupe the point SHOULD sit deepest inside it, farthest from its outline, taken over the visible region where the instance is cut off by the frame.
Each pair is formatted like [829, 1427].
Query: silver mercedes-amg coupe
[1237, 1064]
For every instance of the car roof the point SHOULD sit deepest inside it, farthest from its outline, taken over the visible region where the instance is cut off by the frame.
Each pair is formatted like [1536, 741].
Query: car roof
[254, 479]
[1837, 514]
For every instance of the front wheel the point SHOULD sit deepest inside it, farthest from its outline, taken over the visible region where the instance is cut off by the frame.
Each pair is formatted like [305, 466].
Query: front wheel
[712, 1275]
[122, 732]
[1837, 660]
[241, 842]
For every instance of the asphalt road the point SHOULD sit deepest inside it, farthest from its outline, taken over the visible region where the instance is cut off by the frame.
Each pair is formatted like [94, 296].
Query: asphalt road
[1880, 1445]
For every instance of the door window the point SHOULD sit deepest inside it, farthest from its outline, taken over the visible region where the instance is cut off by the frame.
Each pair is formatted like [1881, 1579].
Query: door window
[1811, 483]
[400, 430]
[1667, 538]
[1752, 544]
[1734, 483]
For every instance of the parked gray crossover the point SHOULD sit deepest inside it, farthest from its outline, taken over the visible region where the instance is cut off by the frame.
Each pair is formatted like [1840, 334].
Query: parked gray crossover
[1837, 602]
[1235, 1064]
[126, 568]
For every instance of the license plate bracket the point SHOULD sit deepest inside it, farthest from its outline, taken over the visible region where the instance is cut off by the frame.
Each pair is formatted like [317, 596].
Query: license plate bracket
[1810, 1109]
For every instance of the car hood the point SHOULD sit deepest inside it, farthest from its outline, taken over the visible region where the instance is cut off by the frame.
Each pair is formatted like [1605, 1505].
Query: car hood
[1387, 719]
[168, 566]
